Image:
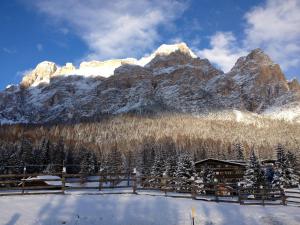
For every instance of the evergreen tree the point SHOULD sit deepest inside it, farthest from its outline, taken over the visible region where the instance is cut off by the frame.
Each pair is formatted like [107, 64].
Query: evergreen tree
[26, 152]
[207, 175]
[291, 163]
[4, 160]
[170, 169]
[88, 163]
[129, 162]
[114, 164]
[146, 156]
[58, 155]
[185, 173]
[239, 151]
[254, 175]
[157, 170]
[284, 171]
[281, 156]
[44, 152]
[171, 166]
[291, 159]
[15, 160]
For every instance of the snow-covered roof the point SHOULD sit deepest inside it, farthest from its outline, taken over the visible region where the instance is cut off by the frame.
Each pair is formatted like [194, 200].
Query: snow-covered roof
[230, 162]
[48, 179]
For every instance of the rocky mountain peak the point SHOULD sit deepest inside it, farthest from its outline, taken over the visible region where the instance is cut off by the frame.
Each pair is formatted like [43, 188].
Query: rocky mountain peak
[180, 47]
[165, 52]
[260, 80]
[69, 68]
[259, 56]
[171, 79]
[259, 66]
[294, 85]
[255, 59]
[42, 73]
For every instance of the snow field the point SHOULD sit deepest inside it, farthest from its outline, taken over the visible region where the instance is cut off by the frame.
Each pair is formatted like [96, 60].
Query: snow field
[129, 209]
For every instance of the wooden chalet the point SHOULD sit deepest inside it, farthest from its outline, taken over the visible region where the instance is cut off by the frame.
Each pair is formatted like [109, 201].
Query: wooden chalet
[225, 171]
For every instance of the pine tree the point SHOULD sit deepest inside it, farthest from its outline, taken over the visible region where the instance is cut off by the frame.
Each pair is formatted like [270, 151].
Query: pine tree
[170, 170]
[15, 160]
[185, 173]
[4, 159]
[207, 175]
[171, 166]
[281, 157]
[58, 155]
[114, 164]
[26, 152]
[146, 156]
[279, 179]
[291, 163]
[157, 170]
[254, 175]
[284, 171]
[44, 152]
[129, 162]
[239, 151]
[88, 162]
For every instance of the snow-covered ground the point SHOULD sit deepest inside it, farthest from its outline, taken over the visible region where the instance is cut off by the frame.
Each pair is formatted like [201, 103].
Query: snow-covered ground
[129, 209]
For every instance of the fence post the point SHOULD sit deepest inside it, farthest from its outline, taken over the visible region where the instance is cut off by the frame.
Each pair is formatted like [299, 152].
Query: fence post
[263, 193]
[216, 192]
[163, 181]
[239, 196]
[100, 182]
[63, 179]
[283, 196]
[24, 177]
[134, 180]
[193, 190]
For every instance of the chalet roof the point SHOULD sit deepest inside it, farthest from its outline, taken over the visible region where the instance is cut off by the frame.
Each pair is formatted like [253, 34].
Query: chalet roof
[268, 161]
[228, 162]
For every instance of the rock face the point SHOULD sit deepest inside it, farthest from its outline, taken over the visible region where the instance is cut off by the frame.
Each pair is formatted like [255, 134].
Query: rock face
[260, 80]
[41, 73]
[172, 79]
[294, 85]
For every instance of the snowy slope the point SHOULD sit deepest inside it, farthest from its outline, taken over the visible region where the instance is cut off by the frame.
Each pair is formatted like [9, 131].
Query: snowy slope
[136, 210]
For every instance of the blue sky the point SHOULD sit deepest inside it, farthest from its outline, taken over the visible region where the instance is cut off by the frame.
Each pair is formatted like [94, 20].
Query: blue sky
[73, 30]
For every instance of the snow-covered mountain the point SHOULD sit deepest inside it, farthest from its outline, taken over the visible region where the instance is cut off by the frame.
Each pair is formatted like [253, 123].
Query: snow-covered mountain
[171, 79]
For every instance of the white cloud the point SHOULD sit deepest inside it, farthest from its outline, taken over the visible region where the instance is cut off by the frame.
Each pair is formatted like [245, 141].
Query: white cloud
[224, 51]
[116, 28]
[275, 27]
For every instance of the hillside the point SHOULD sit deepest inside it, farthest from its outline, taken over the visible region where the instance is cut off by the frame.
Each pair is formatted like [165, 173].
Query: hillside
[202, 136]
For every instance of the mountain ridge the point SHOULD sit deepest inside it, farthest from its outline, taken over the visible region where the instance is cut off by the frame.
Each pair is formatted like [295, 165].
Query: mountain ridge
[171, 79]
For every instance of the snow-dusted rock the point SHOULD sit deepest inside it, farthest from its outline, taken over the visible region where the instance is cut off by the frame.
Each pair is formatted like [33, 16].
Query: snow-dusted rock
[41, 74]
[170, 79]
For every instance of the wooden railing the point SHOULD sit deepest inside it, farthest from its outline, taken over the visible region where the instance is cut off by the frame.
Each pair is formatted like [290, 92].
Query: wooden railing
[60, 183]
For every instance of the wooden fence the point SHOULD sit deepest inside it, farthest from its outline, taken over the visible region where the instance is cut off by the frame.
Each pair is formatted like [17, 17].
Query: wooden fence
[292, 197]
[101, 183]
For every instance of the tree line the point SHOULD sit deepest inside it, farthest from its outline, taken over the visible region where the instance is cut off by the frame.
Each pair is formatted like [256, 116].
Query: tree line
[153, 159]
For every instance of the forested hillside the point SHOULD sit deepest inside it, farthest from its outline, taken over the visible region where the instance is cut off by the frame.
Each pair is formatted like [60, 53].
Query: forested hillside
[132, 140]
